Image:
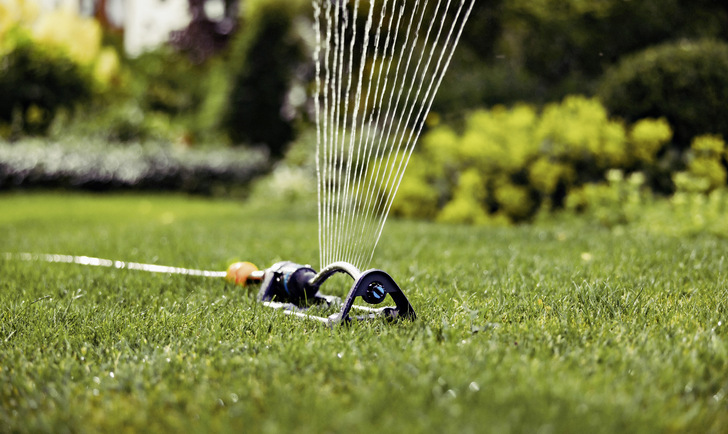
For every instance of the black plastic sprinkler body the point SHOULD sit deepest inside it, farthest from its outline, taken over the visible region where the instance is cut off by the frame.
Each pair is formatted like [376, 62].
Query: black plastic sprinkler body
[288, 286]
[295, 288]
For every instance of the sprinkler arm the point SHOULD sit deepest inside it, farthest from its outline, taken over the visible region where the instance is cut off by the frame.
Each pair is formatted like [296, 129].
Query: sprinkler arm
[373, 286]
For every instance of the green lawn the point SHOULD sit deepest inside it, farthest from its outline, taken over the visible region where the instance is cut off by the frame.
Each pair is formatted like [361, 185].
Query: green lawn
[561, 326]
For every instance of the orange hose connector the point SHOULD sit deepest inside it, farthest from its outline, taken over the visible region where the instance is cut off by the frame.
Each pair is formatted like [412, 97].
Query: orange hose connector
[240, 272]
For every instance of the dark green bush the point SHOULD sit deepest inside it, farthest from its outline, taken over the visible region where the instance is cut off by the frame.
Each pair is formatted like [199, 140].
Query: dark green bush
[264, 57]
[563, 47]
[166, 81]
[685, 82]
[164, 96]
[35, 83]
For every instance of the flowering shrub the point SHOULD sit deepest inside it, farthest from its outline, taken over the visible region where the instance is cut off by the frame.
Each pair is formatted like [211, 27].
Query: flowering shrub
[705, 171]
[60, 30]
[647, 137]
[617, 201]
[512, 162]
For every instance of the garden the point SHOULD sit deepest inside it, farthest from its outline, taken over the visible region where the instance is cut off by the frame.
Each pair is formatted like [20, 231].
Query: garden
[560, 231]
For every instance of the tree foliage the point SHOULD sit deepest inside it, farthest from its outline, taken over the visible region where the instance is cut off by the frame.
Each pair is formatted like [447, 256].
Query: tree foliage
[264, 58]
[542, 50]
[686, 82]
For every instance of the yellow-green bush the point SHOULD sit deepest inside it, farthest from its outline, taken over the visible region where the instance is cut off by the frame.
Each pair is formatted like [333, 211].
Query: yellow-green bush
[416, 198]
[61, 31]
[466, 205]
[617, 200]
[579, 130]
[13, 12]
[514, 200]
[48, 61]
[700, 201]
[648, 136]
[545, 175]
[515, 161]
[498, 140]
[65, 30]
[705, 166]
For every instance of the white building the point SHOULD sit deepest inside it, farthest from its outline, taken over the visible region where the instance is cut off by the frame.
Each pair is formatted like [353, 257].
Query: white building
[145, 23]
[148, 23]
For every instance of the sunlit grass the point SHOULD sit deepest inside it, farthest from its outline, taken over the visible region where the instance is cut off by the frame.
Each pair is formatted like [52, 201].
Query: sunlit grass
[563, 326]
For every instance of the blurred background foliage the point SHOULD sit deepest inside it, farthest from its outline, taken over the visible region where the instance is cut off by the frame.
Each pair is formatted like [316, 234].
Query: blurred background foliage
[548, 105]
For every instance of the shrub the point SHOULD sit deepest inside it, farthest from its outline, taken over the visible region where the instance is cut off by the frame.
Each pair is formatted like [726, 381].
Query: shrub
[166, 81]
[700, 201]
[648, 136]
[546, 174]
[579, 131]
[684, 82]
[122, 121]
[690, 212]
[264, 57]
[513, 162]
[292, 178]
[467, 204]
[415, 198]
[617, 201]
[706, 171]
[35, 83]
[49, 62]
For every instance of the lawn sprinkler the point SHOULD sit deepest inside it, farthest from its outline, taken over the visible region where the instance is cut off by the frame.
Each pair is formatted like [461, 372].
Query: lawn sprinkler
[294, 288]
[286, 286]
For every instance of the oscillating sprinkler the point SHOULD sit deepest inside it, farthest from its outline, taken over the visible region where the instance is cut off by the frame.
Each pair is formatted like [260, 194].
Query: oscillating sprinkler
[294, 288]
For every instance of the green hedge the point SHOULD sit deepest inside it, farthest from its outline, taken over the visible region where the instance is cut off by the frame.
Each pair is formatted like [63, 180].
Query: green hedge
[150, 166]
[686, 82]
